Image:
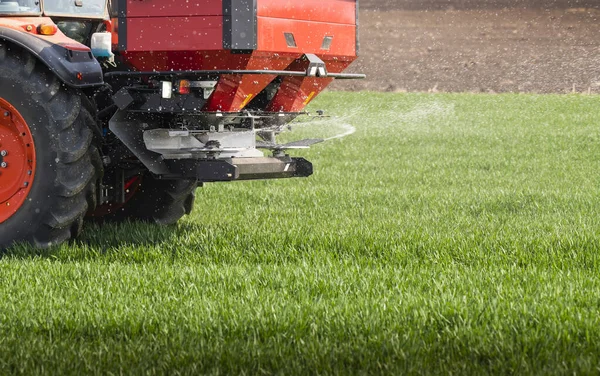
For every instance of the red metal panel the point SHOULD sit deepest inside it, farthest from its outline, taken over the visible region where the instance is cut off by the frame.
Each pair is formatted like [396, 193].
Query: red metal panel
[234, 92]
[308, 35]
[295, 93]
[174, 8]
[332, 11]
[178, 60]
[189, 60]
[175, 33]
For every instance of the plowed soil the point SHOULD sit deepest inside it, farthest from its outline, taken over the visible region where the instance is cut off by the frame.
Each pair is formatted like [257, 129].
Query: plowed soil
[477, 49]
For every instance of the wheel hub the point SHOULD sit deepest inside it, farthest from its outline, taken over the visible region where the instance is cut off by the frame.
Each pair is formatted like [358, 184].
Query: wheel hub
[17, 160]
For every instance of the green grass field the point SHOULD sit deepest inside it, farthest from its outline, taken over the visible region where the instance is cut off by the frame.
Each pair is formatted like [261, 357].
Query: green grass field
[449, 234]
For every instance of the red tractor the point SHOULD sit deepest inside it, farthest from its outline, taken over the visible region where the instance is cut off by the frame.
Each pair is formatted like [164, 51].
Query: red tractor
[120, 109]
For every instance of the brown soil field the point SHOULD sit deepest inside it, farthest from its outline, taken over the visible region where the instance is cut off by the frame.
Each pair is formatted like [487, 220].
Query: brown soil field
[488, 49]
[475, 4]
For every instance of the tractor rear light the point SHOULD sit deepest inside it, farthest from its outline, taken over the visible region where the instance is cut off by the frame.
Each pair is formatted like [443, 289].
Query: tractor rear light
[184, 87]
[108, 25]
[44, 29]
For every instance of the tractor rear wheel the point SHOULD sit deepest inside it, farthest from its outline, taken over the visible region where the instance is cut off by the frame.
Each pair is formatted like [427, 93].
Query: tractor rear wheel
[163, 202]
[48, 168]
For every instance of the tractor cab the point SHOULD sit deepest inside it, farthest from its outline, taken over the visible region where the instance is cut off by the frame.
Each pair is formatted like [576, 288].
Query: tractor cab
[91, 9]
[51, 8]
[77, 19]
[20, 7]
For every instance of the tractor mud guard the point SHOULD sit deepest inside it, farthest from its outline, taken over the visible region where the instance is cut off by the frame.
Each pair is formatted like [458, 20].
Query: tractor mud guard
[76, 68]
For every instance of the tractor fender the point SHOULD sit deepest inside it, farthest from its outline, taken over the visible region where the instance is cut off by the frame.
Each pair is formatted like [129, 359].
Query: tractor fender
[73, 63]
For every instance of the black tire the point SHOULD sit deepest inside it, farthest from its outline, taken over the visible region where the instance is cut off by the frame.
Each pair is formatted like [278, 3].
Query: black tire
[67, 170]
[163, 202]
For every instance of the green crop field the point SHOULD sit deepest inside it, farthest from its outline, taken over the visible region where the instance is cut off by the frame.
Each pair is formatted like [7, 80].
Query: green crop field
[448, 234]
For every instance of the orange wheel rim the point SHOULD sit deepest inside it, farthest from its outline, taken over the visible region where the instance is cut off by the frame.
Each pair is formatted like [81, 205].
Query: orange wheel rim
[17, 160]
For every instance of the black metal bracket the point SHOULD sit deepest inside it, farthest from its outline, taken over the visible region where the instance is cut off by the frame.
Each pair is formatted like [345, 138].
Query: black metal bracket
[316, 68]
[129, 132]
[218, 170]
[214, 73]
